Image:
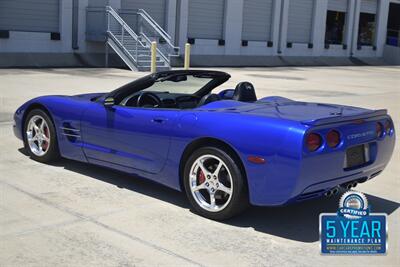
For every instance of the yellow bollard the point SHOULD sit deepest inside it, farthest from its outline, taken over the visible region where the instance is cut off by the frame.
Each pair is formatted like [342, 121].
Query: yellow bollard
[153, 65]
[187, 56]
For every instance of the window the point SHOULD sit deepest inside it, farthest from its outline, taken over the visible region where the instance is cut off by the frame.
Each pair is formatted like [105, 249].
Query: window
[366, 29]
[180, 84]
[393, 26]
[335, 27]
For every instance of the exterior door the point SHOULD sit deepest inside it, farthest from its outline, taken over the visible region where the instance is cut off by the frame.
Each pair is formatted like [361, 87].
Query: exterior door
[136, 138]
[257, 20]
[155, 8]
[336, 22]
[29, 15]
[300, 21]
[206, 19]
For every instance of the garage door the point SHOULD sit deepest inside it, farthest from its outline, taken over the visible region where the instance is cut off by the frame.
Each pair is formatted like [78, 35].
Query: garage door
[98, 3]
[368, 6]
[29, 15]
[206, 19]
[338, 5]
[155, 8]
[257, 20]
[300, 21]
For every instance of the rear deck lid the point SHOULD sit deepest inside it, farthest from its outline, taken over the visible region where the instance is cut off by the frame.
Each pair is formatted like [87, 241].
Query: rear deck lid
[304, 112]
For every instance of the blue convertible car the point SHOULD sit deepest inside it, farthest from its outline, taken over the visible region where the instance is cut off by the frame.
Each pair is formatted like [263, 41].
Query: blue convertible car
[225, 150]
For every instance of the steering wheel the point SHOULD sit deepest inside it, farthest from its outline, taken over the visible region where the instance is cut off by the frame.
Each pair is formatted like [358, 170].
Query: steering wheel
[148, 99]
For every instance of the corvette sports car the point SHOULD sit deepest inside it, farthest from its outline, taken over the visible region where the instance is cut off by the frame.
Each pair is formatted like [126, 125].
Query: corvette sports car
[223, 147]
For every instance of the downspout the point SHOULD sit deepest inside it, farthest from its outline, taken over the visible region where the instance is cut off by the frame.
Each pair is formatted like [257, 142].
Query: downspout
[280, 27]
[177, 22]
[352, 30]
[75, 21]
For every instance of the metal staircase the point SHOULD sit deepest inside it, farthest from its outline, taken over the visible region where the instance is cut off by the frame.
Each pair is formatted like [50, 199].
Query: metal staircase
[134, 48]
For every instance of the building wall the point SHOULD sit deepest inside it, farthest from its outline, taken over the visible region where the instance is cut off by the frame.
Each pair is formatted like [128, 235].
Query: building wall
[40, 42]
[232, 43]
[20, 41]
[233, 38]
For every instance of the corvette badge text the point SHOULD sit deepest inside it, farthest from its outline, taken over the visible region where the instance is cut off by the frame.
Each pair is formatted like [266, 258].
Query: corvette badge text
[353, 229]
[359, 135]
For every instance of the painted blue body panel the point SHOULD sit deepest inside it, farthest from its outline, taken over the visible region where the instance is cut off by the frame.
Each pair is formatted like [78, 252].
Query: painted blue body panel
[150, 142]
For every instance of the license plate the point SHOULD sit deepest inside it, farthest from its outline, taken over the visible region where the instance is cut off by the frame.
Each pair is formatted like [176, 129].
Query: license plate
[355, 156]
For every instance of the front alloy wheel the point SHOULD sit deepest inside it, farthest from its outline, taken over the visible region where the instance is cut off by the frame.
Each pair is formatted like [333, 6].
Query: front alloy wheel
[40, 136]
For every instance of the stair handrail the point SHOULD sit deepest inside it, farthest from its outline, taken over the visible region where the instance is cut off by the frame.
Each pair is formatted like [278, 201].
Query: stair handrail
[123, 47]
[111, 11]
[157, 28]
[154, 23]
[158, 50]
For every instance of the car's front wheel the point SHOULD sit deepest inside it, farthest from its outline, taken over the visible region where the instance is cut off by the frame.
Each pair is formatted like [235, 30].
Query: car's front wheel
[214, 183]
[40, 136]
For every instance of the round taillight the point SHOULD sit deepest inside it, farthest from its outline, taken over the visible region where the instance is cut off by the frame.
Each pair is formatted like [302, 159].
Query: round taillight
[388, 127]
[333, 138]
[379, 129]
[313, 141]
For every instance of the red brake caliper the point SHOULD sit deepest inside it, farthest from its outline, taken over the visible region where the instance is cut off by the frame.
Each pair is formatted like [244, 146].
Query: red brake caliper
[45, 143]
[201, 178]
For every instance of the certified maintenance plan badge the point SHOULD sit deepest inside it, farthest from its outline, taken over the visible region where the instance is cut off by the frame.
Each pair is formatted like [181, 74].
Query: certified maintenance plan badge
[353, 229]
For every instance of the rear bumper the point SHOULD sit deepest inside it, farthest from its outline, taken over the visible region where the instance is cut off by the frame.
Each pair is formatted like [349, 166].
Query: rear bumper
[282, 192]
[285, 180]
[319, 189]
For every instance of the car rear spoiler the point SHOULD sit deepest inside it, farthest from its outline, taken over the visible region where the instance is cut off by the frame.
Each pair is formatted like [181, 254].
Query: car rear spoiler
[344, 118]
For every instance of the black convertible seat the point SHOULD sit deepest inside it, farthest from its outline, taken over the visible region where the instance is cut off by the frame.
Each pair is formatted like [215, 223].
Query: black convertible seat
[208, 99]
[245, 92]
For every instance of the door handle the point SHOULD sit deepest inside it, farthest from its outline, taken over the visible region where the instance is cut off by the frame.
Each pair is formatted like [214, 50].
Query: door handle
[159, 120]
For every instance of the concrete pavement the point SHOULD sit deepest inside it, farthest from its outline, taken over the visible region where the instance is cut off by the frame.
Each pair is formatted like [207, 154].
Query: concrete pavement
[74, 214]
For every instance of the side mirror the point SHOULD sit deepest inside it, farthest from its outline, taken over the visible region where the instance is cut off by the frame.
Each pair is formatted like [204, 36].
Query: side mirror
[109, 102]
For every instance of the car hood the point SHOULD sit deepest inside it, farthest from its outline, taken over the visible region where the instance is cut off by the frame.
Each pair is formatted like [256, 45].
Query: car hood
[304, 112]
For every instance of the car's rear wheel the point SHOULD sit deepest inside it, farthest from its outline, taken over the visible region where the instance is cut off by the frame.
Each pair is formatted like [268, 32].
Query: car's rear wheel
[40, 137]
[214, 184]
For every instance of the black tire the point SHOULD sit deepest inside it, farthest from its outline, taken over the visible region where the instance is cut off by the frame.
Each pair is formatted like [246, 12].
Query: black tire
[52, 153]
[239, 199]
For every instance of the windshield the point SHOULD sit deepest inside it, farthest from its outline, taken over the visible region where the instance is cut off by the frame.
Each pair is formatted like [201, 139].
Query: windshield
[181, 84]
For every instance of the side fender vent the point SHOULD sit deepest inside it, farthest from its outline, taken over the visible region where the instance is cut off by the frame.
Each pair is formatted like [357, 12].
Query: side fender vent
[71, 133]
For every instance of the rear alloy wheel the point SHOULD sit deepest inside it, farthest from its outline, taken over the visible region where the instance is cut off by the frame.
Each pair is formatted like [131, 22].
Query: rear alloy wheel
[214, 184]
[40, 138]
